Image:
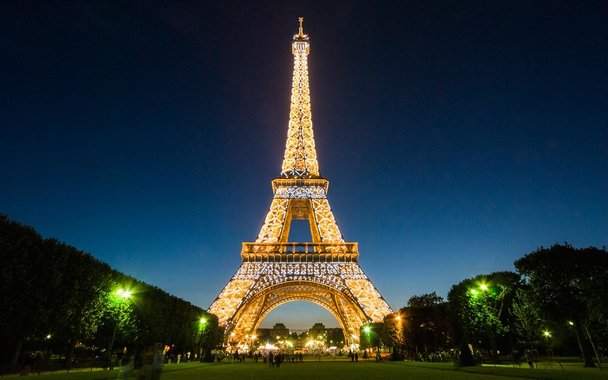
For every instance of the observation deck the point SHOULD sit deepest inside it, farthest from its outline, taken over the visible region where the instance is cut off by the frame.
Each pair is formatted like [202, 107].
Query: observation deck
[300, 252]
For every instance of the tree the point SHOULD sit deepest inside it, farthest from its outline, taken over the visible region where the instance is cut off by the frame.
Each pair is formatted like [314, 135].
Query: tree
[22, 312]
[371, 335]
[394, 335]
[477, 308]
[425, 324]
[570, 286]
[54, 294]
[526, 317]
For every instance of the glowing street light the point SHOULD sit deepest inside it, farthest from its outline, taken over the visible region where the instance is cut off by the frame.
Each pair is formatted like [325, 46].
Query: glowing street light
[123, 295]
[482, 287]
[547, 334]
[202, 327]
[367, 330]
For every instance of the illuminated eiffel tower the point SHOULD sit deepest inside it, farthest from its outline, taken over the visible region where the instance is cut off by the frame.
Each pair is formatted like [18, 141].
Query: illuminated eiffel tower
[274, 270]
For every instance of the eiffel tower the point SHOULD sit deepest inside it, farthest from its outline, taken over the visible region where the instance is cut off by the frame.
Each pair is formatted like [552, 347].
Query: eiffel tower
[275, 270]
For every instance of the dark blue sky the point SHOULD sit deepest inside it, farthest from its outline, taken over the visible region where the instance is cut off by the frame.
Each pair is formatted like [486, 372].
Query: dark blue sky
[457, 135]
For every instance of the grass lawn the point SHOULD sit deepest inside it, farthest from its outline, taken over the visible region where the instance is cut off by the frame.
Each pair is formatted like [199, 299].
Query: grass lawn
[343, 370]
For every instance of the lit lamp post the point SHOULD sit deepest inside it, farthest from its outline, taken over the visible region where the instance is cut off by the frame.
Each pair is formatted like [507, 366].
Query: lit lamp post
[122, 295]
[487, 302]
[398, 336]
[367, 330]
[597, 357]
[232, 342]
[253, 337]
[202, 325]
[547, 335]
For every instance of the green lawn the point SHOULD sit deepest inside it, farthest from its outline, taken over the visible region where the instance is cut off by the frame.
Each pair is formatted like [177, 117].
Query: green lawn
[343, 370]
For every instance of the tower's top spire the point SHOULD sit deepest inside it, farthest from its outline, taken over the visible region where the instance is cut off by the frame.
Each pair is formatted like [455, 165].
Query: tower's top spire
[300, 36]
[300, 160]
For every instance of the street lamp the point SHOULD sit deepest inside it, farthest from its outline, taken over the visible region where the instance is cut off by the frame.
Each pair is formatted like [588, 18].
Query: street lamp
[202, 325]
[123, 295]
[367, 330]
[253, 337]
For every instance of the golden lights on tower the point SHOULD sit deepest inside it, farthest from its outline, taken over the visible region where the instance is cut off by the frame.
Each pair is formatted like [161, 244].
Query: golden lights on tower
[300, 159]
[274, 270]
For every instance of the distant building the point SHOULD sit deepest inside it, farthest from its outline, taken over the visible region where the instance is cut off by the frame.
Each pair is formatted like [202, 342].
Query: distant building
[317, 331]
[263, 335]
[333, 336]
[280, 332]
[266, 335]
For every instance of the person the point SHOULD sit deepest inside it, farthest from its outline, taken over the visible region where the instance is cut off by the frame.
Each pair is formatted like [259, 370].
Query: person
[37, 363]
[157, 362]
[271, 359]
[27, 364]
[529, 358]
[144, 363]
[125, 370]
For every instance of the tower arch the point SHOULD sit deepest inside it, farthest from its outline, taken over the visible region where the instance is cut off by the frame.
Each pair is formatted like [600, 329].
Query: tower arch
[342, 305]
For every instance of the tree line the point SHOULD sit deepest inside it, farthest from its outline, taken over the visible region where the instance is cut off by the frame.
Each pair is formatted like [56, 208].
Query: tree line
[556, 302]
[58, 300]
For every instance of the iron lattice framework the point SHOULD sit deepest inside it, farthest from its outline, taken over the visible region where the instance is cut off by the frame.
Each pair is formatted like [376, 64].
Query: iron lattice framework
[275, 271]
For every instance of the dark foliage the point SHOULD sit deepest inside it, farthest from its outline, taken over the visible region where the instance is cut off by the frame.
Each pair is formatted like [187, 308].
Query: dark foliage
[570, 287]
[478, 311]
[55, 297]
[425, 325]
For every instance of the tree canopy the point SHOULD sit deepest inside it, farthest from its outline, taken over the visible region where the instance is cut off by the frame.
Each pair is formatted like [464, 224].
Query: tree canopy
[54, 295]
[570, 286]
[478, 310]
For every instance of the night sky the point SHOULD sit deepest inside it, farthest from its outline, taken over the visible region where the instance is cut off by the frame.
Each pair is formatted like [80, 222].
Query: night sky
[457, 135]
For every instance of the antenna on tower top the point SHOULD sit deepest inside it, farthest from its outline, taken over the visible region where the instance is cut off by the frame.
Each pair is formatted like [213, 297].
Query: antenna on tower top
[301, 32]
